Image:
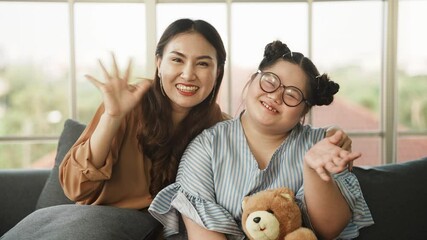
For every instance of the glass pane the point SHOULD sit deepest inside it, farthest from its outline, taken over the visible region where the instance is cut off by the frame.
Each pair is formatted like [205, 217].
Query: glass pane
[412, 79]
[253, 25]
[411, 148]
[370, 147]
[100, 30]
[27, 155]
[214, 13]
[347, 44]
[412, 65]
[34, 68]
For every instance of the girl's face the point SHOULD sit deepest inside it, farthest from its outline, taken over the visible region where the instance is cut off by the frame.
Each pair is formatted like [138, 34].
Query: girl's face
[267, 110]
[187, 70]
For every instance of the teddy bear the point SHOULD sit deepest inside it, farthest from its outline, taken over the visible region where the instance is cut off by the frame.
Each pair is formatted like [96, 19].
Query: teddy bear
[274, 214]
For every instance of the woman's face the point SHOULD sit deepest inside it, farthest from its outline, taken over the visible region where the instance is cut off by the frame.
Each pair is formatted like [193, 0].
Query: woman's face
[267, 110]
[188, 70]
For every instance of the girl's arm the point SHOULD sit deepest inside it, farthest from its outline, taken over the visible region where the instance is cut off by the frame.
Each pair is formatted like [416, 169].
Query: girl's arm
[328, 210]
[196, 232]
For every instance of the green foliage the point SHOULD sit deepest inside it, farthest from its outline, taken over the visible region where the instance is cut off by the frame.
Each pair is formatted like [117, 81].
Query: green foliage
[413, 101]
[359, 86]
[33, 94]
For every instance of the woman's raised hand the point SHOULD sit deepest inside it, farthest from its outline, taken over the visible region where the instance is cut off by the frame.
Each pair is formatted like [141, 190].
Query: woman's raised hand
[326, 157]
[119, 97]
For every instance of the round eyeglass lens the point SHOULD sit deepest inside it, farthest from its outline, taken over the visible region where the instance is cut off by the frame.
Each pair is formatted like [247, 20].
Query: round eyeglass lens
[292, 96]
[269, 82]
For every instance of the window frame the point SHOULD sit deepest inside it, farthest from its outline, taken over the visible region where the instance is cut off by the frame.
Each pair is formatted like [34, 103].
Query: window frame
[388, 131]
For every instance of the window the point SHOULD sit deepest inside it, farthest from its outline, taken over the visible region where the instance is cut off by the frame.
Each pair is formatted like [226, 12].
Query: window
[97, 36]
[373, 49]
[34, 61]
[347, 45]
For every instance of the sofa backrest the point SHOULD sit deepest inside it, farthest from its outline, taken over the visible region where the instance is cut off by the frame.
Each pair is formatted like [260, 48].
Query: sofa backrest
[397, 197]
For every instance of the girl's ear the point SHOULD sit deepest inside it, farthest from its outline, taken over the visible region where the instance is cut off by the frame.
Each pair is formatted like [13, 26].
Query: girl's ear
[305, 111]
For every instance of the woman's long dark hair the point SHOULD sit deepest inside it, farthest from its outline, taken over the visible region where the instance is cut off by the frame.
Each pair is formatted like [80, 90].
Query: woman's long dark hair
[159, 140]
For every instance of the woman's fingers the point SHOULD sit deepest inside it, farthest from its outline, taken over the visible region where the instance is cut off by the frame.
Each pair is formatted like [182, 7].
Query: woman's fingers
[116, 73]
[104, 70]
[128, 70]
[94, 81]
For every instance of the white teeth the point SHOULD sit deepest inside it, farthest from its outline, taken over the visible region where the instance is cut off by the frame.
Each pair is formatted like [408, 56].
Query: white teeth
[268, 107]
[187, 88]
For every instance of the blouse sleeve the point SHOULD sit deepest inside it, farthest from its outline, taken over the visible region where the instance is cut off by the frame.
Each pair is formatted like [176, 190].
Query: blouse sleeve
[193, 194]
[79, 178]
[350, 189]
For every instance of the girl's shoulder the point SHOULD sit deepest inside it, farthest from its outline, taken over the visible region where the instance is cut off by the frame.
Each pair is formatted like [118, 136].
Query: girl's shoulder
[226, 124]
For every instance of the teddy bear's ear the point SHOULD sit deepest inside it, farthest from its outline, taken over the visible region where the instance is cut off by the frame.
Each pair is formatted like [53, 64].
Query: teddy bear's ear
[244, 202]
[286, 195]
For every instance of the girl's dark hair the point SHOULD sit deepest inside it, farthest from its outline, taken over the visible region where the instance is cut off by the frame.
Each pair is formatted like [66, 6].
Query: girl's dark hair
[321, 89]
[159, 140]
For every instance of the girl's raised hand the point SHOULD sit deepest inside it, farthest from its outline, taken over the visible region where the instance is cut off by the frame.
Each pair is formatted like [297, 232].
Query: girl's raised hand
[119, 97]
[326, 158]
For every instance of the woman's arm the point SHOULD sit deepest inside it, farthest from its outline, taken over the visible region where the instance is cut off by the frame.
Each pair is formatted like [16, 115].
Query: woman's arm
[196, 232]
[89, 162]
[327, 208]
[119, 99]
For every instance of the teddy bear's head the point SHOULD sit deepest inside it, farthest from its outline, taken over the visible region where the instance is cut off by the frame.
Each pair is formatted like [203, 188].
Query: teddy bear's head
[270, 214]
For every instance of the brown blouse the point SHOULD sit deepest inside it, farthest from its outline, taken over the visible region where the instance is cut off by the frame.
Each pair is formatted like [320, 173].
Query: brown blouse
[124, 185]
[123, 181]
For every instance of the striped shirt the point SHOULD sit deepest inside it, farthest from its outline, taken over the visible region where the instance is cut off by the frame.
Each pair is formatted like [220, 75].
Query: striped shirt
[218, 170]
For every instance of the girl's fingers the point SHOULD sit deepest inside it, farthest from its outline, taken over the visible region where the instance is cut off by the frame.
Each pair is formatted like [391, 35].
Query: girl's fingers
[350, 166]
[322, 174]
[346, 145]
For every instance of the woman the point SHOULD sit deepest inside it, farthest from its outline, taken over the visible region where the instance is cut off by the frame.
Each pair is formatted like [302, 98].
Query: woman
[267, 147]
[132, 146]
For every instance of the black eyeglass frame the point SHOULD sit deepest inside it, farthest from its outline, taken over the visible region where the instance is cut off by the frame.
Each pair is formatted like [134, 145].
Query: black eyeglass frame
[284, 88]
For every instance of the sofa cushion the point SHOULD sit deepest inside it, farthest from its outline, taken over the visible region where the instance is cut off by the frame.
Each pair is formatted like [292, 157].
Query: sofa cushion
[396, 195]
[52, 193]
[85, 222]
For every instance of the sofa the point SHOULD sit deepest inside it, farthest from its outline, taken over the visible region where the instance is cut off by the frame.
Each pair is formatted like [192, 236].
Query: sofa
[30, 199]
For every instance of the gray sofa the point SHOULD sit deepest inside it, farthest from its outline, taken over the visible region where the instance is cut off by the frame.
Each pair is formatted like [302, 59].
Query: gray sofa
[396, 195]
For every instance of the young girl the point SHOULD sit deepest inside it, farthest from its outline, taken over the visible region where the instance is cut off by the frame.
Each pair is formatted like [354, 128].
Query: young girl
[267, 147]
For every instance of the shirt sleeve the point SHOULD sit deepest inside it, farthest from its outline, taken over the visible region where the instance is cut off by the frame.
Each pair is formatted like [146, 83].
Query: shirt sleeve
[193, 194]
[350, 189]
[79, 178]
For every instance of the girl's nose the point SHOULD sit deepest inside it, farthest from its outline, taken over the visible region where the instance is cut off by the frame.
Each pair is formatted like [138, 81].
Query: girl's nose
[277, 95]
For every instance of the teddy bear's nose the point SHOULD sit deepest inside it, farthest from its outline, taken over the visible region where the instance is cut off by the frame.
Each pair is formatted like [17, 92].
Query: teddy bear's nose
[257, 219]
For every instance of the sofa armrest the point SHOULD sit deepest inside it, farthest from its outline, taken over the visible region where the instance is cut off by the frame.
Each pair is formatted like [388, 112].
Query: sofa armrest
[19, 192]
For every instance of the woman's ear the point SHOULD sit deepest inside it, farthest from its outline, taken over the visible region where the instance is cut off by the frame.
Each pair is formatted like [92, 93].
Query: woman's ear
[158, 62]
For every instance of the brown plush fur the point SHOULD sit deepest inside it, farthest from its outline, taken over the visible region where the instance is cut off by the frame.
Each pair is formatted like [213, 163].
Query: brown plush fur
[274, 215]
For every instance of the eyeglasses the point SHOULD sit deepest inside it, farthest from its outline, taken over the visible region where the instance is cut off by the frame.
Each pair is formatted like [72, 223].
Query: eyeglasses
[270, 82]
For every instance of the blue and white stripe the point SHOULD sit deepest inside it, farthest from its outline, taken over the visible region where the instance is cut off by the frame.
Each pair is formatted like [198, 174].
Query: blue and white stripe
[218, 170]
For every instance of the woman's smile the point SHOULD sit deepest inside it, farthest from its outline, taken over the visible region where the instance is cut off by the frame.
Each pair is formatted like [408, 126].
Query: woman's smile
[187, 90]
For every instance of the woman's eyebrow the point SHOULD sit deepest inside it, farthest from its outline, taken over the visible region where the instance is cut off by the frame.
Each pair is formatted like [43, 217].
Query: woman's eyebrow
[198, 58]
